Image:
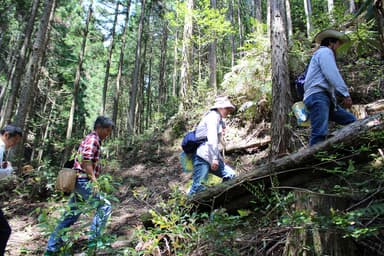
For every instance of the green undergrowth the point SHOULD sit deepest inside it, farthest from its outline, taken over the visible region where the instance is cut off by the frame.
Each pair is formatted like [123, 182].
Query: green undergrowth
[175, 228]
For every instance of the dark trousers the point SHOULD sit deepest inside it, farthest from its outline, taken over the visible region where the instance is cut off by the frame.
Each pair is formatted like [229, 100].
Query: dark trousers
[5, 232]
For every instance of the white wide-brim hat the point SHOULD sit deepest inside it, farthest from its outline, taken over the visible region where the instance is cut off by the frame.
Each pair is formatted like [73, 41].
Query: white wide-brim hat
[223, 102]
[331, 33]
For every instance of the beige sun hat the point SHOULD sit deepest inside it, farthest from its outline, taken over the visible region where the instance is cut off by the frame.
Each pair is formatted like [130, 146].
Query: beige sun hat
[223, 102]
[331, 33]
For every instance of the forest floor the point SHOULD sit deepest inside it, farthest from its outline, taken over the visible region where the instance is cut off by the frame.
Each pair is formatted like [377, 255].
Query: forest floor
[151, 180]
[145, 181]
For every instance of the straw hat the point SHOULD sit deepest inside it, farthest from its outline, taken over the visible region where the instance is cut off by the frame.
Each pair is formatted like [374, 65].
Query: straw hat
[223, 102]
[331, 33]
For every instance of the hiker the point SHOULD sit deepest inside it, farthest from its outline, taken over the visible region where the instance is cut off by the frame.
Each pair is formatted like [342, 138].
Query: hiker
[88, 169]
[323, 81]
[208, 158]
[10, 135]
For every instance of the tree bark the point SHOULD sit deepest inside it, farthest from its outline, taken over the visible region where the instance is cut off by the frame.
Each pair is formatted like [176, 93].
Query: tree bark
[136, 73]
[29, 85]
[162, 68]
[148, 114]
[308, 14]
[240, 24]
[186, 59]
[352, 6]
[232, 37]
[76, 83]
[212, 58]
[109, 58]
[289, 21]
[30, 82]
[257, 6]
[119, 80]
[281, 93]
[175, 65]
[19, 68]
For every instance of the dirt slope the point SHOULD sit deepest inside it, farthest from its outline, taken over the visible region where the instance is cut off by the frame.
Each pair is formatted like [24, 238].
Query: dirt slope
[148, 181]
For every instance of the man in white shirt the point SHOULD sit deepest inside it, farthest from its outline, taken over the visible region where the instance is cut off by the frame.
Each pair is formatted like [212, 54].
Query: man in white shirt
[9, 136]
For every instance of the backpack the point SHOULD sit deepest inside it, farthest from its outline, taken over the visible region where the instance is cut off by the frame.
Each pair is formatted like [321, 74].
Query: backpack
[299, 83]
[190, 143]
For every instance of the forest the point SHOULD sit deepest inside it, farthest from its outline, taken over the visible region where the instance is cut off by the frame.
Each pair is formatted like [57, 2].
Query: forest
[155, 67]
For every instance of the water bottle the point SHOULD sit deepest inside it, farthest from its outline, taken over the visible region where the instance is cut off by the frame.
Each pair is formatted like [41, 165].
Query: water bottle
[301, 114]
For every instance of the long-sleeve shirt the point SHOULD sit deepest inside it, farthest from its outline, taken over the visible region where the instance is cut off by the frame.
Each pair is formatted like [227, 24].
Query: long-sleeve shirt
[3, 171]
[323, 75]
[211, 126]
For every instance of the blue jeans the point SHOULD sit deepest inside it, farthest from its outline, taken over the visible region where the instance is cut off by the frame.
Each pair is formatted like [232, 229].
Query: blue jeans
[321, 110]
[201, 168]
[83, 192]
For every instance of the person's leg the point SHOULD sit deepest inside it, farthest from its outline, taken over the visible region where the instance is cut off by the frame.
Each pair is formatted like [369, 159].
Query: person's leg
[318, 105]
[82, 192]
[341, 116]
[5, 232]
[224, 171]
[200, 173]
[100, 219]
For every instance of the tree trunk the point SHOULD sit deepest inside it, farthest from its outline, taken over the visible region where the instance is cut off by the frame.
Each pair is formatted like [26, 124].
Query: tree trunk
[232, 37]
[149, 90]
[212, 58]
[33, 66]
[330, 6]
[240, 24]
[29, 85]
[136, 73]
[257, 6]
[311, 240]
[289, 21]
[330, 10]
[76, 83]
[109, 58]
[352, 6]
[308, 14]
[186, 59]
[162, 68]
[281, 93]
[379, 15]
[175, 65]
[119, 80]
[46, 132]
[19, 67]
[269, 17]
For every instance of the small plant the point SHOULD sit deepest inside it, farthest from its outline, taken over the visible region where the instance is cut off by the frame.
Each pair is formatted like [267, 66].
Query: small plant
[48, 218]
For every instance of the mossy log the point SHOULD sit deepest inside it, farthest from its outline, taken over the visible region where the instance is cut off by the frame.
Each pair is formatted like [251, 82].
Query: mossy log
[292, 170]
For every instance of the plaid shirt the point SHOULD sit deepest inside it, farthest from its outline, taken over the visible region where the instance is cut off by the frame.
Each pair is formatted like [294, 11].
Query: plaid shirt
[89, 149]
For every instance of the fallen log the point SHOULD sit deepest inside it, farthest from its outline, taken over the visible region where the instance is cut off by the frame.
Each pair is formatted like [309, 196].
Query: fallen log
[256, 143]
[291, 170]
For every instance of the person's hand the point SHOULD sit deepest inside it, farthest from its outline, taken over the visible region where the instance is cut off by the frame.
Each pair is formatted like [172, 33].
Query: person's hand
[95, 187]
[215, 165]
[347, 102]
[5, 164]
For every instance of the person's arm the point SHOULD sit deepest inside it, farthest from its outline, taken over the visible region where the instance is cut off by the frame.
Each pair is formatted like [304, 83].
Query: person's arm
[332, 74]
[5, 167]
[213, 139]
[88, 168]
